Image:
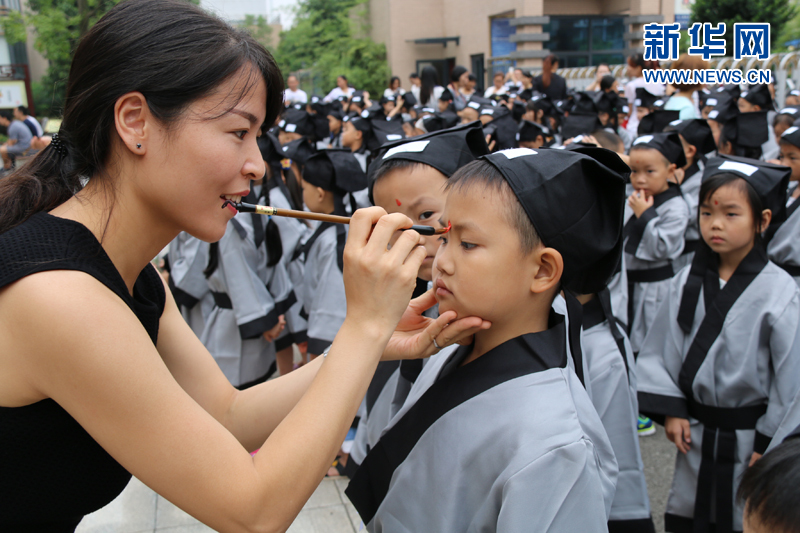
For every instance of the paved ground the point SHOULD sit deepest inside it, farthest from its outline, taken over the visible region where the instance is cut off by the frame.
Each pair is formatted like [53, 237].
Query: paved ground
[139, 510]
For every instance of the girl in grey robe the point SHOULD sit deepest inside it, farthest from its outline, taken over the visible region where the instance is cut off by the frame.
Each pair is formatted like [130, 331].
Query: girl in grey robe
[724, 366]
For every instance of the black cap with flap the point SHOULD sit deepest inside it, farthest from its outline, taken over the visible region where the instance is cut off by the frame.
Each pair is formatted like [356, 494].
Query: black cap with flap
[667, 143]
[335, 170]
[747, 129]
[697, 132]
[656, 121]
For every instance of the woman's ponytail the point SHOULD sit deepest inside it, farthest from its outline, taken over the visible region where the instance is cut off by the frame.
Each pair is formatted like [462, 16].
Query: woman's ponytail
[42, 184]
[274, 244]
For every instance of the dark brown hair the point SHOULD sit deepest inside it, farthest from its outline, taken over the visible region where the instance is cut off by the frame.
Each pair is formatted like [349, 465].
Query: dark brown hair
[172, 52]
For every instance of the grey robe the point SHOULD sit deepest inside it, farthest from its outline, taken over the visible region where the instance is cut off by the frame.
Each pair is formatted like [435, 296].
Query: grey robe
[611, 371]
[746, 358]
[322, 291]
[509, 442]
[652, 242]
[188, 257]
[784, 246]
[690, 189]
[234, 329]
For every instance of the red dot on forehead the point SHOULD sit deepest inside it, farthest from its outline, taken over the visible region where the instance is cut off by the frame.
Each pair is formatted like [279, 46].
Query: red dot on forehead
[716, 202]
[399, 203]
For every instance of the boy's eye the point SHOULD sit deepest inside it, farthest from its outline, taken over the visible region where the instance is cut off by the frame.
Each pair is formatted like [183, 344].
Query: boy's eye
[443, 240]
[467, 245]
[426, 215]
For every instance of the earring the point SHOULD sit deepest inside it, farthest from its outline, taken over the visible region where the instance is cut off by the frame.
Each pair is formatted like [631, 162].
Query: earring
[138, 145]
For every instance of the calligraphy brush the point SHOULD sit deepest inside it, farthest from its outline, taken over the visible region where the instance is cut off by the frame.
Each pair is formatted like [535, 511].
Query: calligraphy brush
[280, 212]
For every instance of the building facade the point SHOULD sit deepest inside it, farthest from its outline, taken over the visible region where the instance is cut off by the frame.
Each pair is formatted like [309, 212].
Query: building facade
[487, 37]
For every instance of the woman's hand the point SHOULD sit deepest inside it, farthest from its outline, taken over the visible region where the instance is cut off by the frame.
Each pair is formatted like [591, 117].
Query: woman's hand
[680, 432]
[413, 338]
[379, 282]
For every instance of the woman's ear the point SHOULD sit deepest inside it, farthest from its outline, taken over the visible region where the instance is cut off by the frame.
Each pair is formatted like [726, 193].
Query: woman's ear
[132, 120]
[766, 218]
[549, 268]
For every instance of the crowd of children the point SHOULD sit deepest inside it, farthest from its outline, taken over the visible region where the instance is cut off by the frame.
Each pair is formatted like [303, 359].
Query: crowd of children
[632, 248]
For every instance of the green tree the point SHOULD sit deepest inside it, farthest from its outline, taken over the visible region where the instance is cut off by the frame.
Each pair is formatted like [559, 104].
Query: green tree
[259, 29]
[776, 12]
[328, 37]
[59, 26]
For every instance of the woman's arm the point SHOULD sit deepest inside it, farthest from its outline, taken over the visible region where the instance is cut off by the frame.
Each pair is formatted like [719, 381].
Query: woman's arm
[99, 364]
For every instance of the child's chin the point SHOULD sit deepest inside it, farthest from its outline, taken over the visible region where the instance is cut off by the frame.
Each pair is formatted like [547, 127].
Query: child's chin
[425, 273]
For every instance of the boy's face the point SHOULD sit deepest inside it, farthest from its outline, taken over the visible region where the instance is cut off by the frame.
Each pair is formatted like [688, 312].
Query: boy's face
[641, 112]
[792, 100]
[716, 130]
[480, 269]
[650, 171]
[443, 105]
[790, 157]
[485, 119]
[350, 135]
[418, 193]
[313, 197]
[468, 115]
[705, 111]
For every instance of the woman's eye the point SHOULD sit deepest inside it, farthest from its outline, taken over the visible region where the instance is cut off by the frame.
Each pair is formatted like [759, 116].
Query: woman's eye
[426, 215]
[240, 134]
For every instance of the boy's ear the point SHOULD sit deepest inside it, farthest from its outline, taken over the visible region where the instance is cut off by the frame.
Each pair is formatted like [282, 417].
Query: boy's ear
[766, 218]
[550, 267]
[320, 193]
[691, 151]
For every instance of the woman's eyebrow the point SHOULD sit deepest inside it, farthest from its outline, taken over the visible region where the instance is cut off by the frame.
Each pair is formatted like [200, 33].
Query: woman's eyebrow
[249, 116]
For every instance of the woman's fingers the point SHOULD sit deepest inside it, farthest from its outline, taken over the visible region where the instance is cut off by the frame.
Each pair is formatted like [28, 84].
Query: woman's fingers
[384, 230]
[361, 226]
[424, 302]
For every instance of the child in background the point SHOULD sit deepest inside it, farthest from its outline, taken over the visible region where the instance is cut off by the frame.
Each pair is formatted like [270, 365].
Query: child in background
[770, 490]
[720, 370]
[532, 135]
[328, 176]
[511, 398]
[409, 177]
[697, 141]
[656, 218]
[783, 247]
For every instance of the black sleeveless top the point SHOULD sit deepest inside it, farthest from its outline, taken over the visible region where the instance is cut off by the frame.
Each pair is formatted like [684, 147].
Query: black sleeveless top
[52, 472]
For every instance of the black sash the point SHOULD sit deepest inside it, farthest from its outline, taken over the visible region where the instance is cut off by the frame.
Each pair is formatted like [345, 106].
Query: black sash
[644, 276]
[527, 354]
[720, 424]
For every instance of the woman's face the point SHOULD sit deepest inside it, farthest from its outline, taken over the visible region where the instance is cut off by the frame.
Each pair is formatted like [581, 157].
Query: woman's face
[189, 171]
[342, 83]
[602, 70]
[395, 84]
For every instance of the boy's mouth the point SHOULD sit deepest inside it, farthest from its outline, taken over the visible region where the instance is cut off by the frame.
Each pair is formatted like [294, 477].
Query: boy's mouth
[441, 289]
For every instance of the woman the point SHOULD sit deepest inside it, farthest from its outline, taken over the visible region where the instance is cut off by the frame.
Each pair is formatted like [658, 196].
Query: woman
[430, 91]
[100, 376]
[498, 89]
[394, 90]
[602, 71]
[684, 99]
[459, 81]
[342, 89]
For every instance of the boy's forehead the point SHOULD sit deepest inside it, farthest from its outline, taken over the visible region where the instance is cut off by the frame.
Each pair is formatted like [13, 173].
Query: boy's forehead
[475, 202]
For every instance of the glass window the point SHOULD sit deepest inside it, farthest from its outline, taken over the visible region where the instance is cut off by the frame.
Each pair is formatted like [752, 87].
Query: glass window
[609, 59]
[608, 34]
[501, 31]
[567, 34]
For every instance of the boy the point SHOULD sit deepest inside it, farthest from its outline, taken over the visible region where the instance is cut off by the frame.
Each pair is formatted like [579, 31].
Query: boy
[532, 135]
[327, 177]
[512, 398]
[409, 177]
[656, 218]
